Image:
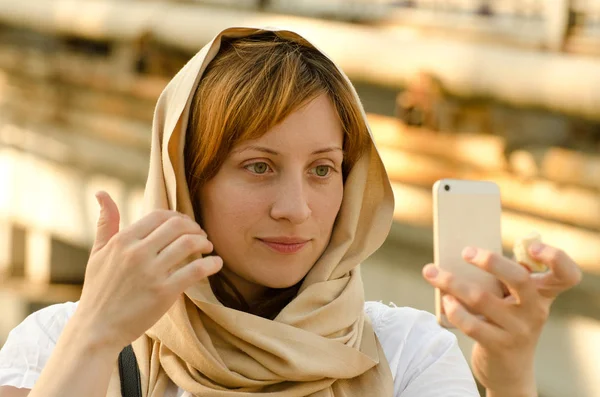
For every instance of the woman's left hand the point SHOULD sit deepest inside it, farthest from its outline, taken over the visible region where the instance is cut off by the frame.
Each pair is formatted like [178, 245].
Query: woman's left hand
[503, 355]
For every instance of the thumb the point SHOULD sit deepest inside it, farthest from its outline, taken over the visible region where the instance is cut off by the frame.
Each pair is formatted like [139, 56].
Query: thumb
[108, 221]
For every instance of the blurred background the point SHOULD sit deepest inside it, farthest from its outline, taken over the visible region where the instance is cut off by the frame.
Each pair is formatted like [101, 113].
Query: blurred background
[502, 90]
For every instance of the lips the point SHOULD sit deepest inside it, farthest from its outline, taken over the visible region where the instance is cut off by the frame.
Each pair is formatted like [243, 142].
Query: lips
[284, 245]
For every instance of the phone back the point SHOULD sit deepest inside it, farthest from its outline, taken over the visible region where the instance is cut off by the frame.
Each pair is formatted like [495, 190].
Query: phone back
[466, 213]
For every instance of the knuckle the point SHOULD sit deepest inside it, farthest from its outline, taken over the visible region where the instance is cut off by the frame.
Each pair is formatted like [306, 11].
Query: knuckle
[506, 343]
[161, 215]
[521, 279]
[120, 242]
[200, 244]
[451, 312]
[521, 335]
[457, 318]
[557, 256]
[446, 280]
[545, 311]
[575, 276]
[177, 221]
[479, 298]
[201, 270]
[488, 259]
[467, 324]
[560, 259]
[183, 223]
[540, 316]
[132, 256]
[206, 266]
[158, 291]
[188, 243]
[196, 271]
[471, 329]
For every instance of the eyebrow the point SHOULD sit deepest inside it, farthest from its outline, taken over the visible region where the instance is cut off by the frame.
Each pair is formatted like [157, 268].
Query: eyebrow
[329, 149]
[273, 152]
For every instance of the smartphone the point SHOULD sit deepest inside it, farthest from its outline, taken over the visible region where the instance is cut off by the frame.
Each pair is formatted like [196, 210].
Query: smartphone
[465, 213]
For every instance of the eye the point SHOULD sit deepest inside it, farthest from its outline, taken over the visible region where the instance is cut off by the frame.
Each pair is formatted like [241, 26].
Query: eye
[322, 170]
[258, 168]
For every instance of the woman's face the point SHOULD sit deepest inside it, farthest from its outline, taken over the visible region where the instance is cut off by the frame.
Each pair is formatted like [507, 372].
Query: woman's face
[270, 209]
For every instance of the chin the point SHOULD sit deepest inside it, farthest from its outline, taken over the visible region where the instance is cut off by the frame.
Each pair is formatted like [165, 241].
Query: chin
[280, 280]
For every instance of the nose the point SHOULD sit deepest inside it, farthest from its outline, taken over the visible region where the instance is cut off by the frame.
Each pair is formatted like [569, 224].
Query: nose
[291, 202]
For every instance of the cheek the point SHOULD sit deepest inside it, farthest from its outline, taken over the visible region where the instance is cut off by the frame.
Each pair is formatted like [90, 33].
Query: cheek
[230, 208]
[328, 205]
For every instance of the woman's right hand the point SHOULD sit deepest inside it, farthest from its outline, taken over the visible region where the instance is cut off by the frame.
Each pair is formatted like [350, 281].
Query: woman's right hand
[134, 276]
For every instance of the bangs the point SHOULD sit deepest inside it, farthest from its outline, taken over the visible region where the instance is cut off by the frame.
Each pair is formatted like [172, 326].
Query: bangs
[276, 82]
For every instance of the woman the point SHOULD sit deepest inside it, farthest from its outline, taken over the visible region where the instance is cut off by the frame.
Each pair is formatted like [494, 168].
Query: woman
[261, 160]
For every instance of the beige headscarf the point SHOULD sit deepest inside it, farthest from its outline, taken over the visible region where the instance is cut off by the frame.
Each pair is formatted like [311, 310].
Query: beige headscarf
[321, 344]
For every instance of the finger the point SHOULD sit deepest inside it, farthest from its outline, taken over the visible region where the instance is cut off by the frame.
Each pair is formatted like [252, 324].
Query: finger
[179, 250]
[183, 278]
[169, 231]
[483, 332]
[514, 276]
[108, 220]
[146, 225]
[564, 271]
[474, 298]
[548, 285]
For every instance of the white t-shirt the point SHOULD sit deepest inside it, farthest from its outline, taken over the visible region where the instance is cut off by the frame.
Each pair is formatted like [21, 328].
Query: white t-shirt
[424, 358]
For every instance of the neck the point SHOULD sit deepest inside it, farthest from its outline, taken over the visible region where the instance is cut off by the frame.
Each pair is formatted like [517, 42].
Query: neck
[237, 293]
[250, 292]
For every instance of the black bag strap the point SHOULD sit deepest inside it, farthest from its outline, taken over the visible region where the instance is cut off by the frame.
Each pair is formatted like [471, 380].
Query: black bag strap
[131, 385]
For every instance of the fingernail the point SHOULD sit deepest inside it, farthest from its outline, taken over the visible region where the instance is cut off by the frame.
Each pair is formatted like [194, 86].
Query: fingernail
[536, 248]
[431, 272]
[469, 253]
